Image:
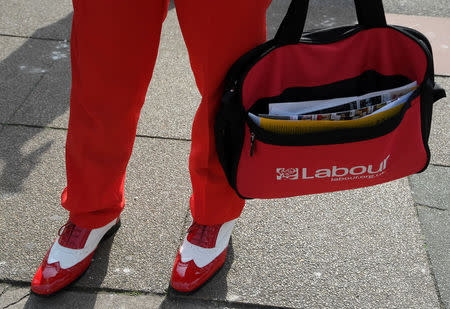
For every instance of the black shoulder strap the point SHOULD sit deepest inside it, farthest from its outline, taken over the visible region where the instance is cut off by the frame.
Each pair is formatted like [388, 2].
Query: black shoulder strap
[291, 28]
[370, 14]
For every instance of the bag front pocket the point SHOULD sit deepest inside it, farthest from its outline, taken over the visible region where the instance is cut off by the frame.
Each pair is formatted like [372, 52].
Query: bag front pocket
[275, 165]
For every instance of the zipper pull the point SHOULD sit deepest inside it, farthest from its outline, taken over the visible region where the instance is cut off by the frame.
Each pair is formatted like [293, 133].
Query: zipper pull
[252, 143]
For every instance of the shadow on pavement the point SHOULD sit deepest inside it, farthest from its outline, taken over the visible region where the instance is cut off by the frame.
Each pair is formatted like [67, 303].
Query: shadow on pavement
[33, 58]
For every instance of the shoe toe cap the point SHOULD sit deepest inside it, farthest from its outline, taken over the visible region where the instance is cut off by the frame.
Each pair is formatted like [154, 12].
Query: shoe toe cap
[187, 277]
[47, 279]
[50, 278]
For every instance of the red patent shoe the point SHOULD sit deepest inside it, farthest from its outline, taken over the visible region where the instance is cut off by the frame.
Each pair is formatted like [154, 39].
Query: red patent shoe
[201, 255]
[69, 256]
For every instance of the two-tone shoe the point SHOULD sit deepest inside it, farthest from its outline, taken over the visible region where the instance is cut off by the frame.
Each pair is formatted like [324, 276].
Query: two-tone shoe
[69, 256]
[201, 255]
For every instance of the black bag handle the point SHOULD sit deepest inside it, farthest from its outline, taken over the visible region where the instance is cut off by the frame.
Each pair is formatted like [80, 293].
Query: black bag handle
[370, 14]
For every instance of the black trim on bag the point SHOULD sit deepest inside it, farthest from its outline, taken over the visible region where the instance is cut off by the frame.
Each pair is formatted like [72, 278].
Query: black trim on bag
[426, 102]
[229, 129]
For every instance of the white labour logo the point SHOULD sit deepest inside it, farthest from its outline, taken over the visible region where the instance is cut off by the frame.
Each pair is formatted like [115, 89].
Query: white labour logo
[334, 171]
[287, 173]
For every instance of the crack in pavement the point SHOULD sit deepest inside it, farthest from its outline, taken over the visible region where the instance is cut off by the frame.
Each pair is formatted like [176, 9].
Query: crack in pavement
[439, 165]
[4, 290]
[35, 126]
[35, 37]
[17, 301]
[427, 252]
[431, 207]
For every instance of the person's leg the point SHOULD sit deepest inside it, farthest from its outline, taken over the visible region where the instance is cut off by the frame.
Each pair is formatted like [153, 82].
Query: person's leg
[113, 51]
[113, 48]
[216, 33]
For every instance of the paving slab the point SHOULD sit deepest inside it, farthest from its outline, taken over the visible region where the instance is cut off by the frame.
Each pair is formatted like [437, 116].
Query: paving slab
[431, 188]
[37, 18]
[418, 7]
[352, 249]
[23, 62]
[436, 228]
[18, 297]
[48, 103]
[439, 141]
[436, 30]
[172, 97]
[170, 103]
[13, 297]
[32, 176]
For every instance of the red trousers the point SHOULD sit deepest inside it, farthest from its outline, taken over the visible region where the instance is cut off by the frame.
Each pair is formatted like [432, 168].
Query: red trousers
[114, 45]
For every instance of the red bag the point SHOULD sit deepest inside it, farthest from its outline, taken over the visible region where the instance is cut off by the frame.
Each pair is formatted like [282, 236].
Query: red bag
[326, 64]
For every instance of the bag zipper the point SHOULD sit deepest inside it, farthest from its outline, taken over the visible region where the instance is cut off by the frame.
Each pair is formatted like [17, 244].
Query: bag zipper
[252, 143]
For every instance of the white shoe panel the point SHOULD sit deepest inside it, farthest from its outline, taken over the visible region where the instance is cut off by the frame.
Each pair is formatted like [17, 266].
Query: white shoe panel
[203, 256]
[68, 257]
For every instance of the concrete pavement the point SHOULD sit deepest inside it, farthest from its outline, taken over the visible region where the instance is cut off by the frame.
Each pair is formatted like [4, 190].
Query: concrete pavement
[381, 247]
